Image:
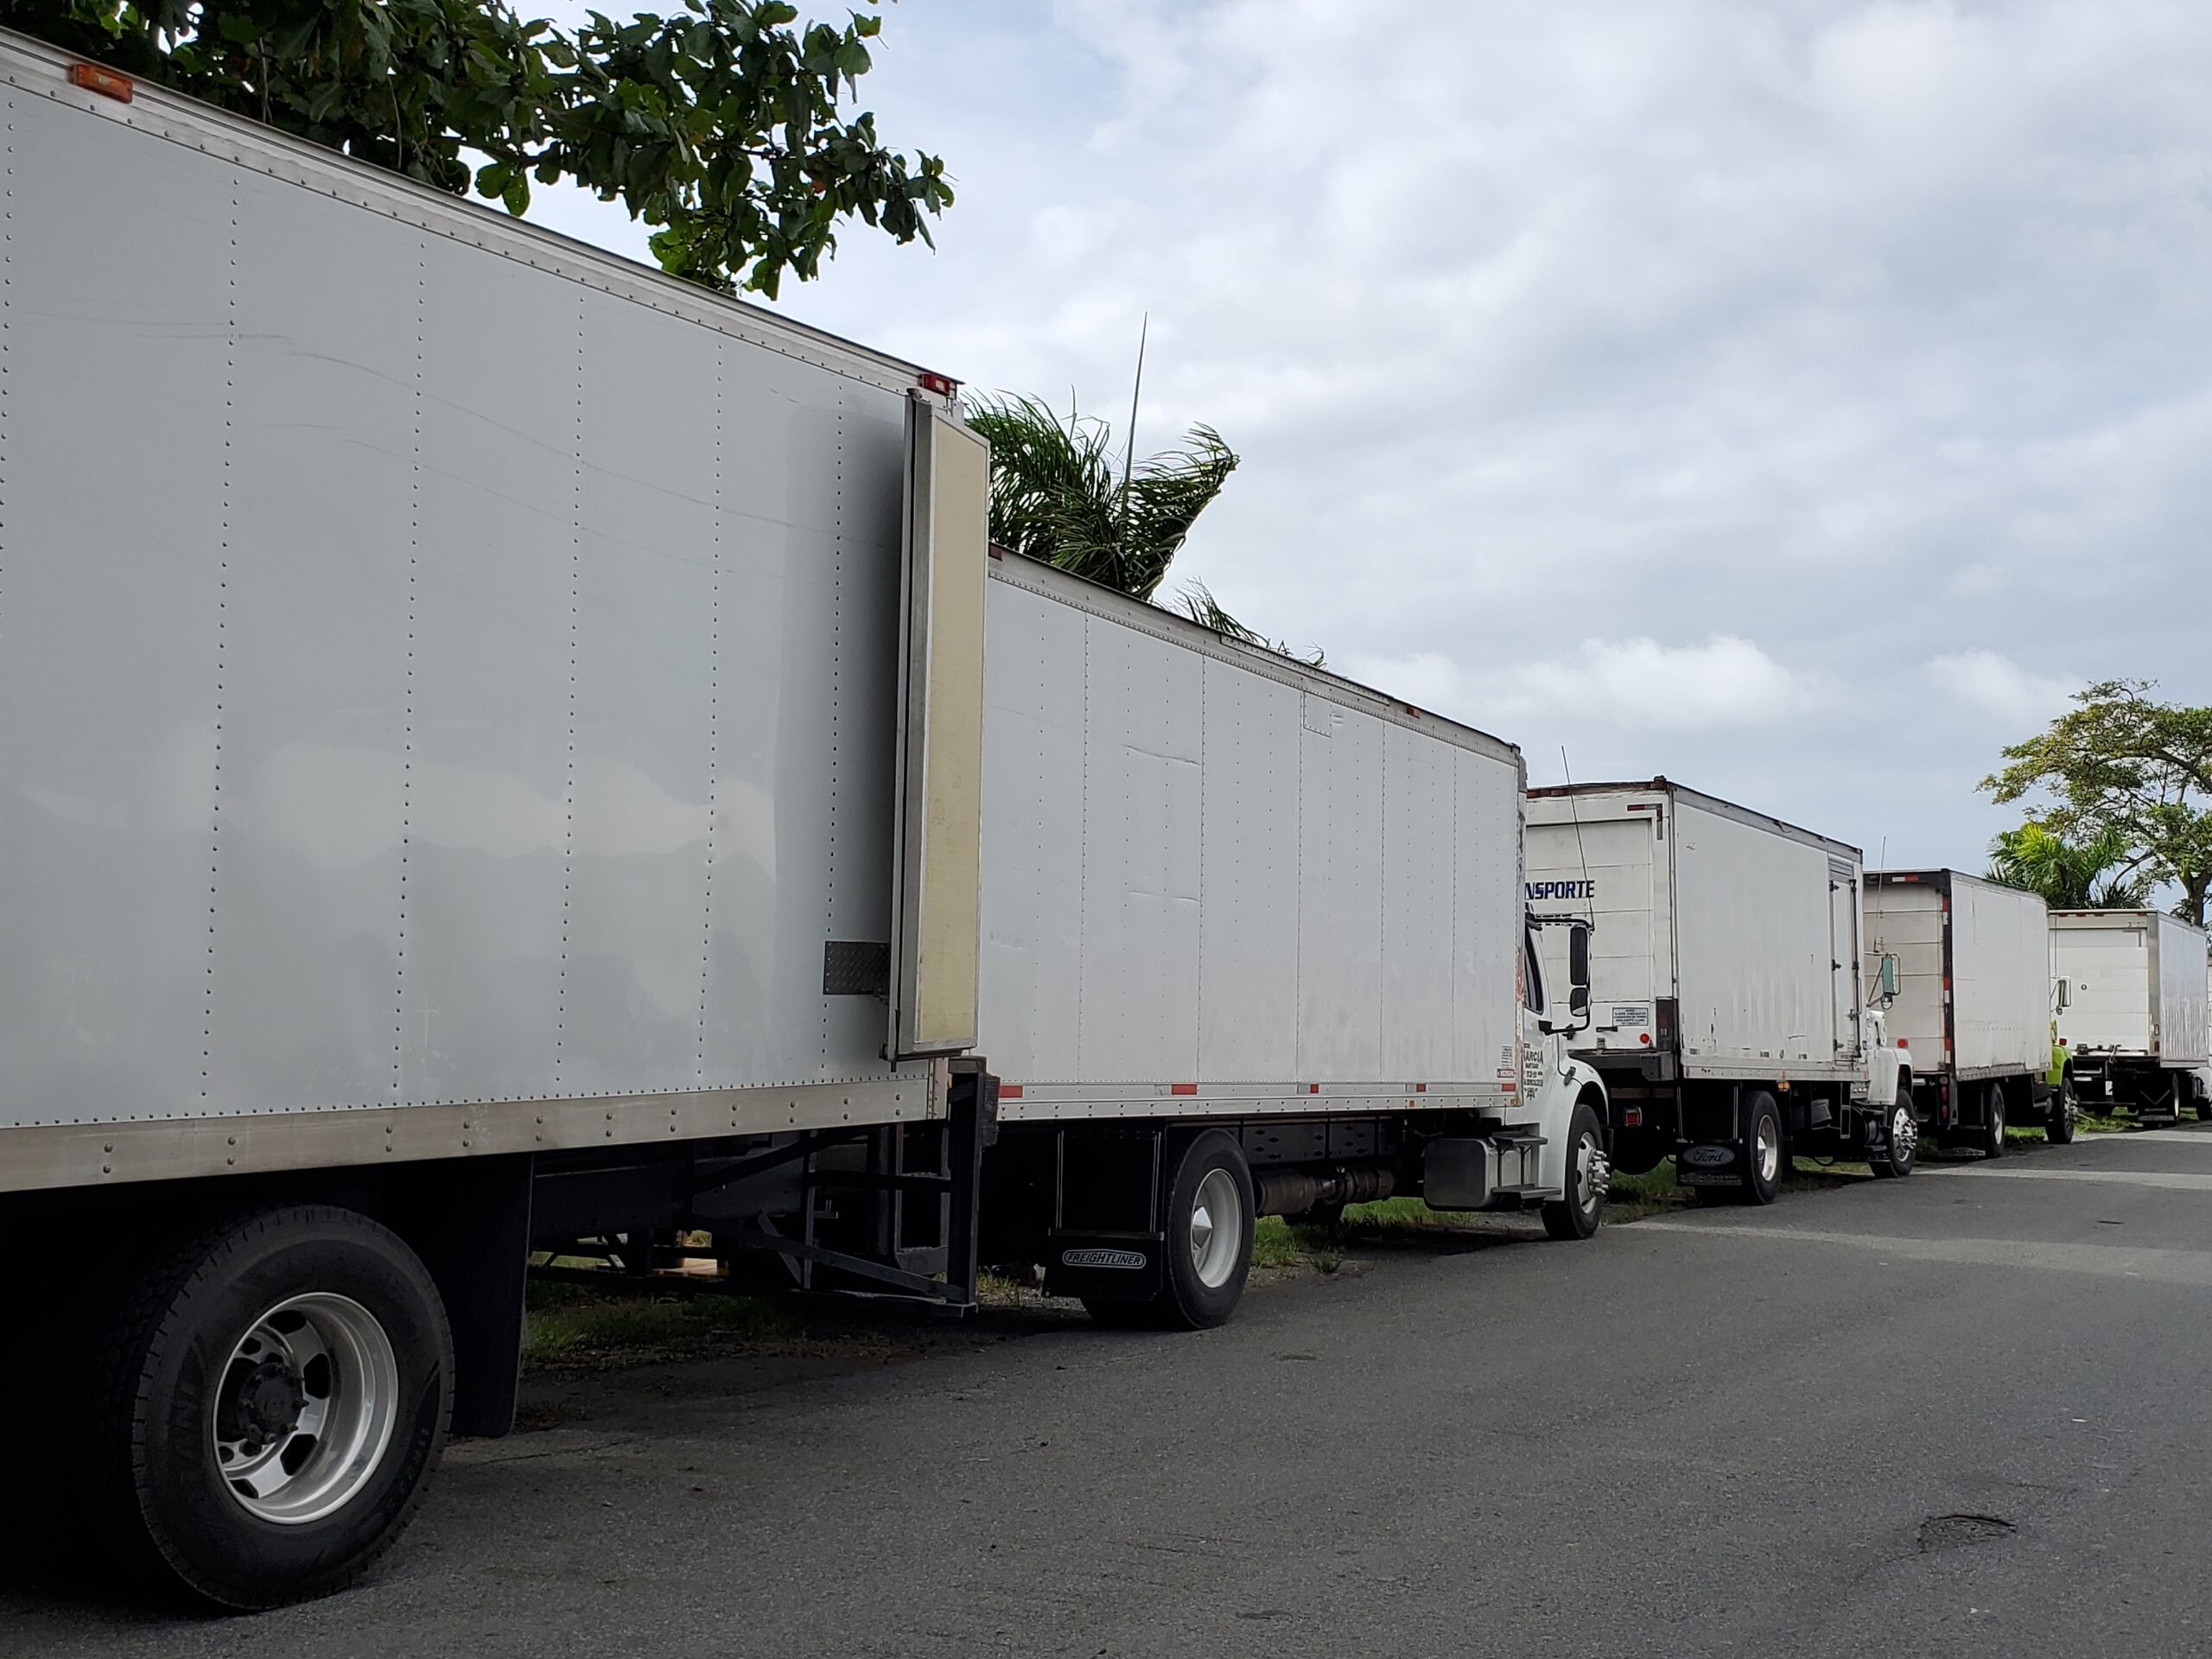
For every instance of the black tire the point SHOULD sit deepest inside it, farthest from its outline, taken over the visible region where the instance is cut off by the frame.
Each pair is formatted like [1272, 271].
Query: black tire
[2059, 1113]
[1761, 1181]
[1990, 1137]
[1897, 1153]
[169, 1371]
[1189, 1301]
[1578, 1215]
[1191, 1298]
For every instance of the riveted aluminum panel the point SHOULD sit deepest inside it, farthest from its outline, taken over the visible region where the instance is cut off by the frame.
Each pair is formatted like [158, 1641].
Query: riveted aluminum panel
[777, 716]
[1754, 943]
[1970, 949]
[2106, 957]
[1742, 928]
[642, 577]
[487, 689]
[1340, 900]
[1421, 859]
[114, 339]
[310, 653]
[1906, 920]
[1247, 943]
[2182, 1025]
[1140, 872]
[1219, 808]
[1486, 915]
[451, 478]
[1034, 811]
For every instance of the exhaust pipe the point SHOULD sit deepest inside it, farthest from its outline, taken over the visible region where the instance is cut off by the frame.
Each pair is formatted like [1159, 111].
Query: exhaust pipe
[1288, 1190]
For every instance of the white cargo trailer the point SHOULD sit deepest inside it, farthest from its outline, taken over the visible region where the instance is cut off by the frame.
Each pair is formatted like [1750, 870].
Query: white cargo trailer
[1973, 1002]
[1729, 1018]
[1254, 943]
[2134, 1026]
[488, 758]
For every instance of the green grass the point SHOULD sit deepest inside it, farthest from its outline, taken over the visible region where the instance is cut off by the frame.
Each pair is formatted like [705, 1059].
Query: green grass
[569, 1323]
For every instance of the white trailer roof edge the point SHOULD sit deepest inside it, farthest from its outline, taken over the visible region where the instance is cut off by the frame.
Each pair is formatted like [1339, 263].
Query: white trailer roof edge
[1713, 803]
[39, 70]
[1052, 582]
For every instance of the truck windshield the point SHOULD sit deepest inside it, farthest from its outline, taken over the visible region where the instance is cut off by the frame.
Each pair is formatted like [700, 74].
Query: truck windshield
[1532, 993]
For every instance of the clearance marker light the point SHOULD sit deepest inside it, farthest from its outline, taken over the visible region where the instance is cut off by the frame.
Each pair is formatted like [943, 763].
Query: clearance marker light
[942, 384]
[108, 83]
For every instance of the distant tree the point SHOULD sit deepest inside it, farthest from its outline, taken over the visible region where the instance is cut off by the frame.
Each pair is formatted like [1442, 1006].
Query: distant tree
[2121, 763]
[720, 126]
[1059, 492]
[2100, 874]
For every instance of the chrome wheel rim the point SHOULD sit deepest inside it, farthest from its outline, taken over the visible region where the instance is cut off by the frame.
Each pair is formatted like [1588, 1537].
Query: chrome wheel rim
[1904, 1135]
[1217, 1227]
[1593, 1173]
[305, 1408]
[1768, 1149]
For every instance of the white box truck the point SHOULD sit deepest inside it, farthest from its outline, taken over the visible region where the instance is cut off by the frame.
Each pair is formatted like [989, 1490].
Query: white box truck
[1729, 1019]
[1973, 1004]
[493, 751]
[1254, 943]
[2134, 1026]
[489, 760]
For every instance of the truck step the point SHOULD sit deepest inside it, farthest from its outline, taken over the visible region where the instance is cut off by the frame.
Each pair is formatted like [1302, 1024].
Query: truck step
[1516, 1142]
[1525, 1190]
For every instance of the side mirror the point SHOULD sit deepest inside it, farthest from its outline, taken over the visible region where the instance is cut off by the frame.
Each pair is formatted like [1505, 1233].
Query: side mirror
[1890, 978]
[2065, 996]
[1578, 971]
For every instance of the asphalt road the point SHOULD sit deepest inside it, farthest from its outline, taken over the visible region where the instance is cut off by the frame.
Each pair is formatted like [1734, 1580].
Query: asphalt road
[1728, 1432]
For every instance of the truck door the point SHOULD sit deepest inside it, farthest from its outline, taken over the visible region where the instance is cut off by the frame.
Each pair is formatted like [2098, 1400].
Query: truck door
[1843, 956]
[937, 875]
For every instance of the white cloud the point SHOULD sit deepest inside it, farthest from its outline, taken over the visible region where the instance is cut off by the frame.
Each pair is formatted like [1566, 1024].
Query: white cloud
[1627, 685]
[1994, 684]
[1770, 350]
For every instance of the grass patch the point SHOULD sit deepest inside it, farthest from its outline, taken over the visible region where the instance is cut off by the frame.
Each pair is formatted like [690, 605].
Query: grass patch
[569, 1323]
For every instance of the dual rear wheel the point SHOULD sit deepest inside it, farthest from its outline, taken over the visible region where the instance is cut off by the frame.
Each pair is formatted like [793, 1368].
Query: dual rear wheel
[265, 1406]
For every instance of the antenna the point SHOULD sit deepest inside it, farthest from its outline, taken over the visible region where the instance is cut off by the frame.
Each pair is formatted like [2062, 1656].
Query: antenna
[1130, 452]
[1574, 810]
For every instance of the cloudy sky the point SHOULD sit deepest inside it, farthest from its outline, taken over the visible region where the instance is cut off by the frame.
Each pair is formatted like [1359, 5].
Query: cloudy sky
[1798, 398]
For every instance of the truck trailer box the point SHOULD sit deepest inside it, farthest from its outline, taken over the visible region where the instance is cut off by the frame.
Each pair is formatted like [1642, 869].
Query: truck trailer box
[1973, 972]
[1232, 900]
[2135, 985]
[489, 760]
[1725, 942]
[1973, 1001]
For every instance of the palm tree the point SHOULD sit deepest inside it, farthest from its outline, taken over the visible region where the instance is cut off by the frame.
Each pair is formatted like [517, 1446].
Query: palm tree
[1056, 497]
[2100, 874]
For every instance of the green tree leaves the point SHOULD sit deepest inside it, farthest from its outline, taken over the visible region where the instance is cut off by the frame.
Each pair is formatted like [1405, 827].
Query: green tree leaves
[1060, 493]
[721, 126]
[2102, 872]
[2120, 763]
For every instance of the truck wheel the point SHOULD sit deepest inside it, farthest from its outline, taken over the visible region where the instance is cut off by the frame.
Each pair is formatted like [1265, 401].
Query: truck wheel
[1762, 1179]
[1991, 1138]
[1588, 1175]
[1900, 1147]
[2059, 1115]
[267, 1406]
[1207, 1241]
